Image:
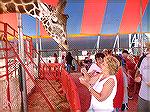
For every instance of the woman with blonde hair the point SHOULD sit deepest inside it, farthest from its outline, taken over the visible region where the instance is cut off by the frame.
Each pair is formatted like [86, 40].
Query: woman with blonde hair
[105, 87]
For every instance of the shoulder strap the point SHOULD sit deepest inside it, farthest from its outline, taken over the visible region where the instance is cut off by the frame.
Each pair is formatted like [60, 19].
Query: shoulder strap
[98, 80]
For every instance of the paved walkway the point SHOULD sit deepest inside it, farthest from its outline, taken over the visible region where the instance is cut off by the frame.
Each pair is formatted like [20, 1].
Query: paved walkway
[36, 102]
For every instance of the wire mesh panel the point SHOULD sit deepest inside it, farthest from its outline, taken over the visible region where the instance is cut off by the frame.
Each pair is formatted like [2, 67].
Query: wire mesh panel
[11, 86]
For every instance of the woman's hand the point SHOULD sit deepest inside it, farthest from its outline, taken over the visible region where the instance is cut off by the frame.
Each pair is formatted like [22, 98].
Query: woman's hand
[84, 81]
[83, 70]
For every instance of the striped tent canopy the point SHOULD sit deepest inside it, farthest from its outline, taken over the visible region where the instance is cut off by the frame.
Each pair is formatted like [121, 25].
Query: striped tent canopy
[95, 17]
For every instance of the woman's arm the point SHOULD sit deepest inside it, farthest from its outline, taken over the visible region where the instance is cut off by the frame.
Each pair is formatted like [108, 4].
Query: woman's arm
[106, 91]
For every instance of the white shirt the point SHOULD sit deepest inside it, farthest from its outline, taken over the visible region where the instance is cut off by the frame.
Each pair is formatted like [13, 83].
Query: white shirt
[145, 72]
[94, 67]
[106, 105]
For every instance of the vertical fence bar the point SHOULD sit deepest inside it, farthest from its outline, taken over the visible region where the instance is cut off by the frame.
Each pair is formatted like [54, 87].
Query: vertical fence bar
[31, 48]
[6, 62]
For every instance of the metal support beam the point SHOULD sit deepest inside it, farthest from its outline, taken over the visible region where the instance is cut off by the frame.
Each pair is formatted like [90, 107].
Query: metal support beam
[37, 48]
[98, 42]
[117, 42]
[141, 40]
[21, 54]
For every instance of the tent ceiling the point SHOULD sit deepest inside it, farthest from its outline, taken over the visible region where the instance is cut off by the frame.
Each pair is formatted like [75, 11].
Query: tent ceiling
[131, 16]
[96, 17]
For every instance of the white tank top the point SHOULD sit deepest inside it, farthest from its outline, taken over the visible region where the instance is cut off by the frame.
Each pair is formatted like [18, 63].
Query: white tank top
[106, 105]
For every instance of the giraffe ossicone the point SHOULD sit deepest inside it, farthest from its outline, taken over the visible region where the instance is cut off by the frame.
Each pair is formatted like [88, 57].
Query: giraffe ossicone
[53, 18]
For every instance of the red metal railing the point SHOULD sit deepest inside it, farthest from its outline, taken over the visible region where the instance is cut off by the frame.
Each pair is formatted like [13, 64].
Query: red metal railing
[9, 54]
[8, 65]
[70, 90]
[68, 86]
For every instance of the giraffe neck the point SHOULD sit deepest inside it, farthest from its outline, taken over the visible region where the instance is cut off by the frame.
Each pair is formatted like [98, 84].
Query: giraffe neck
[33, 8]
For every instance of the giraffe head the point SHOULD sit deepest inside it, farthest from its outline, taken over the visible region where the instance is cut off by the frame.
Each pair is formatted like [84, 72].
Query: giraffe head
[54, 21]
[53, 18]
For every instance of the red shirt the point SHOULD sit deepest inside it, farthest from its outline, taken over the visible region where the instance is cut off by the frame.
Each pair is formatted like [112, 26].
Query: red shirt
[120, 89]
[130, 65]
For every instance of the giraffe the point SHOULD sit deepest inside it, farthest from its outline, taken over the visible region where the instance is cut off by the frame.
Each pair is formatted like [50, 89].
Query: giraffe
[53, 18]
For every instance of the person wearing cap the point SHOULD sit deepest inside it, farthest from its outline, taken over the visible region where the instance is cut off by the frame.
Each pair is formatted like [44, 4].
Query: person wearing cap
[144, 78]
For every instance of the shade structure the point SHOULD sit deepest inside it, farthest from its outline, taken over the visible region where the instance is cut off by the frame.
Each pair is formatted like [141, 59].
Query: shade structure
[132, 15]
[106, 17]
[43, 33]
[95, 17]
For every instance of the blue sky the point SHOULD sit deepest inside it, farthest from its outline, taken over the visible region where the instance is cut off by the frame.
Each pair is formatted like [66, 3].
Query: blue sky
[74, 9]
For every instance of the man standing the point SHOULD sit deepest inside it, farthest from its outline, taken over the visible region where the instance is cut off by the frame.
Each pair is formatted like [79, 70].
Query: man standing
[69, 59]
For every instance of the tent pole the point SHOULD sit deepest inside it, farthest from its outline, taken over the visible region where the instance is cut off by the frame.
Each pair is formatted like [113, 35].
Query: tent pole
[141, 35]
[40, 37]
[130, 41]
[98, 42]
[118, 43]
[37, 48]
[22, 56]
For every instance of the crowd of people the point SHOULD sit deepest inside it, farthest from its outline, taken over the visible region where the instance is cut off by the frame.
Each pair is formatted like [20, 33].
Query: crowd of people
[112, 78]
